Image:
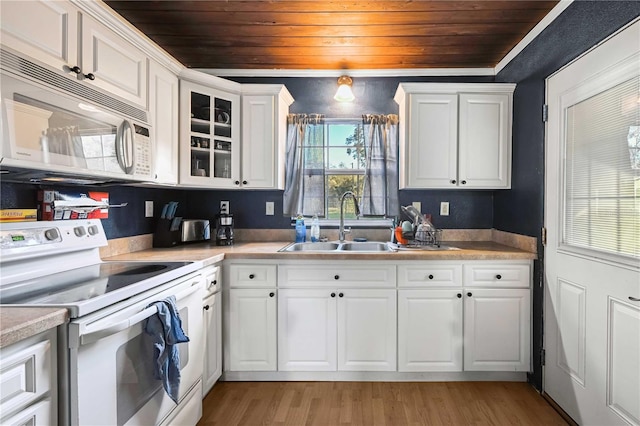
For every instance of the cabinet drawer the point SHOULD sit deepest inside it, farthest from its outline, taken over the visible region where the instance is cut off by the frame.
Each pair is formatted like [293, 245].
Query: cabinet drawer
[338, 275]
[497, 275]
[436, 275]
[26, 371]
[252, 275]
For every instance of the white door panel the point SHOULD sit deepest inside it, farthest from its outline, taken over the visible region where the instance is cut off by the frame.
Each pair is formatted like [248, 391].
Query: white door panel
[592, 262]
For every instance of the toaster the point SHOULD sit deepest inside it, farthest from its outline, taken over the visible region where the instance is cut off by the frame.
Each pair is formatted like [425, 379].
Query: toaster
[195, 230]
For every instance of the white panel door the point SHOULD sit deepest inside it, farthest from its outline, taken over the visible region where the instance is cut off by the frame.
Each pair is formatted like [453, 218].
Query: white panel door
[431, 156]
[212, 312]
[496, 329]
[258, 142]
[118, 66]
[367, 330]
[163, 105]
[592, 256]
[430, 330]
[484, 147]
[252, 329]
[44, 30]
[307, 330]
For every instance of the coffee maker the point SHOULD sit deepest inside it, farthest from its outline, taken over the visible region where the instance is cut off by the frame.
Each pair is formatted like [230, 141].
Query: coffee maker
[224, 229]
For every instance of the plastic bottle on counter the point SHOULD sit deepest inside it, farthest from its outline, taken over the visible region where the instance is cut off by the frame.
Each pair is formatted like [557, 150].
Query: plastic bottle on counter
[315, 229]
[301, 230]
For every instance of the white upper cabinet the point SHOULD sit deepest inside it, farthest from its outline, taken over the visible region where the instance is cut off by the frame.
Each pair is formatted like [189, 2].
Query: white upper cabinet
[117, 66]
[264, 135]
[163, 108]
[455, 135]
[59, 35]
[53, 40]
[209, 133]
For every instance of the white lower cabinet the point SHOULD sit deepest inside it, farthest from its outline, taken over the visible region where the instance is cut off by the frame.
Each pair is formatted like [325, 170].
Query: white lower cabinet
[212, 342]
[430, 330]
[465, 328]
[252, 327]
[496, 329]
[337, 329]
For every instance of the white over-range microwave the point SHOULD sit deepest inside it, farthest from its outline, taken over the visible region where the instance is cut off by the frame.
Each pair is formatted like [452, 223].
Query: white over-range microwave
[55, 128]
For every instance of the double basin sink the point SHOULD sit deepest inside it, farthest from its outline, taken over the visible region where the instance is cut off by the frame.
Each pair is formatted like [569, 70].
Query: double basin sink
[349, 246]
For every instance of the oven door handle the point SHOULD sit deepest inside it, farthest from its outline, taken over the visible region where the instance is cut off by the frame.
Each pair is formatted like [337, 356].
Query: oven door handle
[111, 329]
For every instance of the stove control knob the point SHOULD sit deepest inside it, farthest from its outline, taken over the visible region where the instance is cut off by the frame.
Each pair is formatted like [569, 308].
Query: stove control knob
[93, 230]
[79, 231]
[51, 234]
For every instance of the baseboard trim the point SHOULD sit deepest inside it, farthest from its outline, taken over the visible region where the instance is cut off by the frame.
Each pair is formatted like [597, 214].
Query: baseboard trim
[566, 417]
[371, 376]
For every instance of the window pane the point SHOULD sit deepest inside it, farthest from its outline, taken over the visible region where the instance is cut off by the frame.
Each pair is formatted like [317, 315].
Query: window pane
[338, 185]
[602, 206]
[344, 158]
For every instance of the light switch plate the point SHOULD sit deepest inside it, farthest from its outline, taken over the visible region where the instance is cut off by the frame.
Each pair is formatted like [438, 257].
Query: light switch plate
[444, 208]
[148, 209]
[224, 207]
[269, 207]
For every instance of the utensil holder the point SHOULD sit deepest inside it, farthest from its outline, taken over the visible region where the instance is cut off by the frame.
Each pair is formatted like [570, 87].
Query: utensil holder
[164, 236]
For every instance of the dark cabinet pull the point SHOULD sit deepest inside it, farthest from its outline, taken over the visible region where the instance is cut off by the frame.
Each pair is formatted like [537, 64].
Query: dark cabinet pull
[76, 69]
[430, 276]
[244, 182]
[333, 295]
[251, 276]
[634, 299]
[237, 182]
[205, 307]
[469, 294]
[336, 277]
[464, 182]
[453, 181]
[459, 295]
[215, 282]
[340, 294]
[90, 76]
[498, 277]
[272, 294]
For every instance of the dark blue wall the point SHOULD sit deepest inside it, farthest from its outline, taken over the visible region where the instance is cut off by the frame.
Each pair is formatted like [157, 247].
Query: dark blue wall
[520, 210]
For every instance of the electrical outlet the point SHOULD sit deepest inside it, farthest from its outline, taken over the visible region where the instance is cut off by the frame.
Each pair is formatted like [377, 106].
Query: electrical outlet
[269, 208]
[224, 207]
[417, 205]
[148, 209]
[444, 208]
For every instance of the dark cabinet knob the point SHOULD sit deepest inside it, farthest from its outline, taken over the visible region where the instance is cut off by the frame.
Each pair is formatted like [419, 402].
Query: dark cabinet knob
[251, 276]
[336, 277]
[75, 69]
[340, 294]
[90, 76]
[469, 294]
[237, 182]
[333, 295]
[430, 276]
[272, 294]
[453, 181]
[215, 282]
[464, 182]
[459, 295]
[205, 307]
[244, 182]
[498, 277]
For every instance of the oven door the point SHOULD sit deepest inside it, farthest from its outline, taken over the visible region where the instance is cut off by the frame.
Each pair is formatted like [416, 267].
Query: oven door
[111, 365]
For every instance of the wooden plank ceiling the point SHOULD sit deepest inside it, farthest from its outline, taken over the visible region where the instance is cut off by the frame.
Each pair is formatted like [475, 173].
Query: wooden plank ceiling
[331, 35]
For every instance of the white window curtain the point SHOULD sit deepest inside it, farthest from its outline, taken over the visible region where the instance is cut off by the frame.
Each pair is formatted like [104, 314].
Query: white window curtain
[304, 168]
[380, 192]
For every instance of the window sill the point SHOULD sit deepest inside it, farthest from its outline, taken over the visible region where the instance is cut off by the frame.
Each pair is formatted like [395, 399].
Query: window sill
[353, 223]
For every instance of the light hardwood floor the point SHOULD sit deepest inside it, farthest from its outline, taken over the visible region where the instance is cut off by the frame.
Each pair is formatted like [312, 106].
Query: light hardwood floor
[376, 403]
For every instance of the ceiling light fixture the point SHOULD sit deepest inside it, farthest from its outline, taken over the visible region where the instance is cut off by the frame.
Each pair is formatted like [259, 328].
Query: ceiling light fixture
[344, 93]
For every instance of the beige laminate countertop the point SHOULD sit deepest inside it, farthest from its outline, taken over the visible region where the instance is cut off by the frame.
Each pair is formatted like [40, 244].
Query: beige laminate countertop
[209, 253]
[18, 323]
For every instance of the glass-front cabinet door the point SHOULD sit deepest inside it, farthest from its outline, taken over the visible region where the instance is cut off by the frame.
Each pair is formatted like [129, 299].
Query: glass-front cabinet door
[209, 139]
